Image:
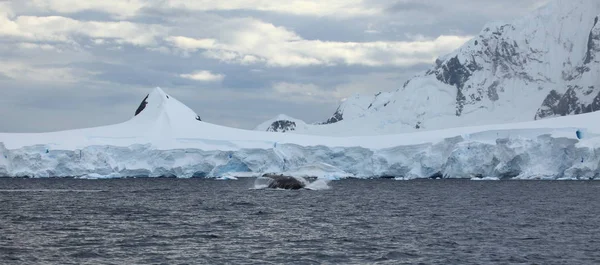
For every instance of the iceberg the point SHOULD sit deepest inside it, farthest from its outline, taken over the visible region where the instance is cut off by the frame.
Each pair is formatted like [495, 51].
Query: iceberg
[166, 138]
[227, 178]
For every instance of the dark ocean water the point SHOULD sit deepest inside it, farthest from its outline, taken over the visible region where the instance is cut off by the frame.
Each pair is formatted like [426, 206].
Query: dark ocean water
[195, 221]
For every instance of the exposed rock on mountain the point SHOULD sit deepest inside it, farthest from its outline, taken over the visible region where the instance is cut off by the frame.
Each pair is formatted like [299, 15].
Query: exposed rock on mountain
[281, 123]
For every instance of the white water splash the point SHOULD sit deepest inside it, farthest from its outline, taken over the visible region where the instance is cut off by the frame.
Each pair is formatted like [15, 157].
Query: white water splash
[262, 183]
[319, 184]
[226, 178]
[486, 178]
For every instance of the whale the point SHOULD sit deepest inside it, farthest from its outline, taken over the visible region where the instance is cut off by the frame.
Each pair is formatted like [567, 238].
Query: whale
[284, 182]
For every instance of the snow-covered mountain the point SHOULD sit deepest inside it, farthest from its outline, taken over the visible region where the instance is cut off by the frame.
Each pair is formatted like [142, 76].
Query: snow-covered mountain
[546, 64]
[166, 138]
[160, 120]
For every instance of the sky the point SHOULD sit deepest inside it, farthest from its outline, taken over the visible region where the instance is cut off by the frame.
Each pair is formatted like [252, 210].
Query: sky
[68, 64]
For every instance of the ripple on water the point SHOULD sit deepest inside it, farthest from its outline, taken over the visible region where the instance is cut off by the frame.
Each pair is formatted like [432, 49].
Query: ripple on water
[195, 221]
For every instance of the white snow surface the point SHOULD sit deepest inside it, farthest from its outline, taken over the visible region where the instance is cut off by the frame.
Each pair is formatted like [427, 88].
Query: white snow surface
[165, 139]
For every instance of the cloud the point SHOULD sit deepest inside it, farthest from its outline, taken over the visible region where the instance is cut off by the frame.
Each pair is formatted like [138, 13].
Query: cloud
[356, 84]
[300, 7]
[205, 76]
[190, 44]
[41, 73]
[120, 8]
[4, 76]
[301, 92]
[66, 30]
[37, 46]
[129, 8]
[408, 6]
[244, 41]
[261, 42]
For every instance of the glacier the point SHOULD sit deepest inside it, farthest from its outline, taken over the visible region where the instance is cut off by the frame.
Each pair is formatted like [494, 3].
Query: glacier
[166, 139]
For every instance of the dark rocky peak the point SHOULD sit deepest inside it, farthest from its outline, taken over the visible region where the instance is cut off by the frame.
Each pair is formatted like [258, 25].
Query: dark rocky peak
[282, 126]
[142, 105]
[593, 45]
[453, 73]
[336, 117]
[572, 102]
[583, 90]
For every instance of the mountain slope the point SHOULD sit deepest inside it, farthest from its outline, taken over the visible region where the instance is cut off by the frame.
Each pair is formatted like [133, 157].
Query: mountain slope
[543, 65]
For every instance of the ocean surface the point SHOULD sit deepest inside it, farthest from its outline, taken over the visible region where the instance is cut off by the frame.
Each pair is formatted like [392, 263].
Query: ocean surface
[199, 221]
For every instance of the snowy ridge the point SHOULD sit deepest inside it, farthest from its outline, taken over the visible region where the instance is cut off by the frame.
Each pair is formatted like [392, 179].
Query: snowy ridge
[541, 66]
[166, 139]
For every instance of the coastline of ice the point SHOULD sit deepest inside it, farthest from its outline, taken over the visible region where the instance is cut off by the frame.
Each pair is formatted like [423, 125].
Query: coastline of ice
[542, 157]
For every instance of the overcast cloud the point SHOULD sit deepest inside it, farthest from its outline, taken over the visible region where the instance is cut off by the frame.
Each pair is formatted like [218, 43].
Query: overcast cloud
[69, 63]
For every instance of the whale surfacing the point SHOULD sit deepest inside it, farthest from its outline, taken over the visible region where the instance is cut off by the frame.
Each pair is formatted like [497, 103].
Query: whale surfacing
[284, 182]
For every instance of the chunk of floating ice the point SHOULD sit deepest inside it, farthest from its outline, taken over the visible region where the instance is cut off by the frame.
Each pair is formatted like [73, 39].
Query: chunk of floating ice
[566, 178]
[227, 178]
[486, 178]
[98, 176]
